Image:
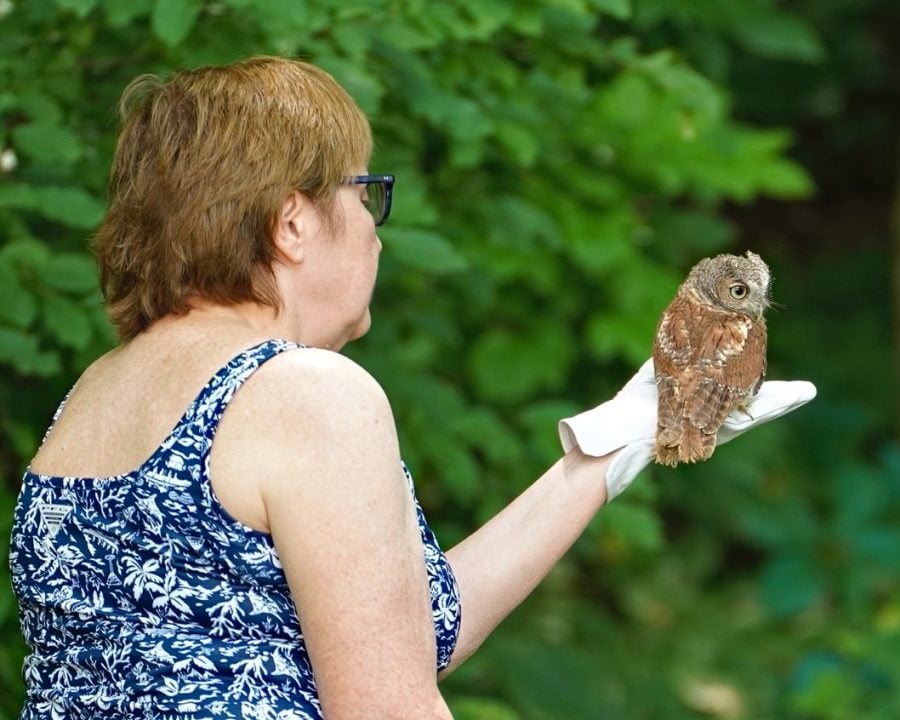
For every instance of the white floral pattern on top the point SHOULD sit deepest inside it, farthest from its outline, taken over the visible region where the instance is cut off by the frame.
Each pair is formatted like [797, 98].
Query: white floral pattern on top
[141, 597]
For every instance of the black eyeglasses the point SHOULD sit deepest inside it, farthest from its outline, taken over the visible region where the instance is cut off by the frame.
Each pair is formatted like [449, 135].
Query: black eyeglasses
[379, 191]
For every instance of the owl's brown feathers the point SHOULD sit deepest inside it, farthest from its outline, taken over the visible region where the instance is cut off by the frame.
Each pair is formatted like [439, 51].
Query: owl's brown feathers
[709, 354]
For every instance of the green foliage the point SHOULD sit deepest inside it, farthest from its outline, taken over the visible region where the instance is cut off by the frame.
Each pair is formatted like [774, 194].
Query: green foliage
[560, 164]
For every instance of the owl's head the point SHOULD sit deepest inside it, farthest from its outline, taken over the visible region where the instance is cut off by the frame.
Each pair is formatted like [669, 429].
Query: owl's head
[738, 283]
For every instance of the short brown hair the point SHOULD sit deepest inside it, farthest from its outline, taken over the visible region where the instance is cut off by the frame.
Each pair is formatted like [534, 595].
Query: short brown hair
[204, 162]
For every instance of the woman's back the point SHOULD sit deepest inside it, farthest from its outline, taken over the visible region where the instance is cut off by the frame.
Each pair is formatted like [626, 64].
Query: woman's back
[141, 594]
[128, 400]
[139, 591]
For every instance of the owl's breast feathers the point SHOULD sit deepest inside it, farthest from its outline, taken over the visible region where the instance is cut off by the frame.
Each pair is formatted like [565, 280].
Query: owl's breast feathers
[707, 362]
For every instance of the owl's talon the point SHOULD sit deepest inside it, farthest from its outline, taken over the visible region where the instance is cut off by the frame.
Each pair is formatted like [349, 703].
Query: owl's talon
[746, 412]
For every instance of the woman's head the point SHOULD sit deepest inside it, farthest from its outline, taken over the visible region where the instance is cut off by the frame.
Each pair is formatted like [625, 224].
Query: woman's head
[204, 162]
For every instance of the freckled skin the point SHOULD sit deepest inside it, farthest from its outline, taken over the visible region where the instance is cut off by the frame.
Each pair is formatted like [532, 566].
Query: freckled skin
[709, 353]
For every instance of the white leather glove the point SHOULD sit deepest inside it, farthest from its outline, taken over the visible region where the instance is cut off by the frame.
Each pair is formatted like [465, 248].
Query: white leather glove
[628, 421]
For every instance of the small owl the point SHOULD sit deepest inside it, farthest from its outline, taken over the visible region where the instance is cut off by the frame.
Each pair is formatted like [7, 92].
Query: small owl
[709, 354]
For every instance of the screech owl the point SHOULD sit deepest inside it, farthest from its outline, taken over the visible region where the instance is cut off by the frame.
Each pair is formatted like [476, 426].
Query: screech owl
[709, 353]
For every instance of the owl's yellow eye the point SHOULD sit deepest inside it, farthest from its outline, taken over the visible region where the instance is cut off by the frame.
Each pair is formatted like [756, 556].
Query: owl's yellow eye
[738, 292]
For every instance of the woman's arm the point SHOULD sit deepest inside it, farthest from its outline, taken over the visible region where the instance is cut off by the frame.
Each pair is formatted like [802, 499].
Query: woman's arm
[501, 563]
[344, 524]
[608, 445]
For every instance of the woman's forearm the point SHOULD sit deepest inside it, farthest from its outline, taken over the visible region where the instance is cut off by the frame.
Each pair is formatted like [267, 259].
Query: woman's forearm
[501, 563]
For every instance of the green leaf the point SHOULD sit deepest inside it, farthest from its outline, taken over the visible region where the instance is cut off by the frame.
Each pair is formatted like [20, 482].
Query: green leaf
[684, 84]
[172, 20]
[18, 195]
[283, 21]
[461, 471]
[555, 680]
[508, 367]
[568, 7]
[687, 228]
[39, 105]
[503, 366]
[460, 116]
[70, 206]
[353, 41]
[17, 304]
[528, 21]
[519, 142]
[365, 87]
[489, 16]
[879, 546]
[8, 101]
[102, 325]
[482, 709]
[779, 35]
[21, 351]
[120, 13]
[25, 253]
[830, 693]
[47, 142]
[445, 20]
[68, 321]
[23, 437]
[424, 250]
[399, 34]
[600, 242]
[636, 525]
[70, 272]
[80, 7]
[790, 584]
[612, 335]
[467, 154]
[484, 430]
[540, 421]
[619, 9]
[786, 179]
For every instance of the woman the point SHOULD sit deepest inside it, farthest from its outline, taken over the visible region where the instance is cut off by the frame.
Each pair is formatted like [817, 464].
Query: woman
[218, 523]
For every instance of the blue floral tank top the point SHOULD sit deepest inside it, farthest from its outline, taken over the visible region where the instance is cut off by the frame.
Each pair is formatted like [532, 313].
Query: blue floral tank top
[141, 597]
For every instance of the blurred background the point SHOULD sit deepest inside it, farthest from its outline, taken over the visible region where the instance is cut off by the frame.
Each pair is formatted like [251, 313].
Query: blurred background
[560, 165]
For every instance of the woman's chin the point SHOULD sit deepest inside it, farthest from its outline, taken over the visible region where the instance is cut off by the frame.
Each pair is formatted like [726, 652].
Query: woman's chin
[362, 327]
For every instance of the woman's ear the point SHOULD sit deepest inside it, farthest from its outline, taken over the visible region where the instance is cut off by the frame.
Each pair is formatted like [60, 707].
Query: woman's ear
[294, 227]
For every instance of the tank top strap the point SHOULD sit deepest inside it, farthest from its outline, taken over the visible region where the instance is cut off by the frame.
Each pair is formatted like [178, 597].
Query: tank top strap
[56, 415]
[208, 407]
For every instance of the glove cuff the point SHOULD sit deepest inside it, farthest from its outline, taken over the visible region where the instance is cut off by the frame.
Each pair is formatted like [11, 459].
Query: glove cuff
[607, 427]
[626, 465]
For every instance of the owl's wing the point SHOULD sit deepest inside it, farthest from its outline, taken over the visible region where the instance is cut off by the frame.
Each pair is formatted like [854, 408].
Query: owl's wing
[672, 354]
[675, 342]
[705, 362]
[742, 348]
[730, 365]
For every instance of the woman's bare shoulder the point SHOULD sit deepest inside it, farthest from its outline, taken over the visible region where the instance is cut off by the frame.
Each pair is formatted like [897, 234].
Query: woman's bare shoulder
[304, 401]
[317, 379]
[304, 414]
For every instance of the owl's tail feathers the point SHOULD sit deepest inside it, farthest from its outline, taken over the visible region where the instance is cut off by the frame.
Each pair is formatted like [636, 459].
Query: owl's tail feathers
[683, 445]
[666, 456]
[668, 440]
